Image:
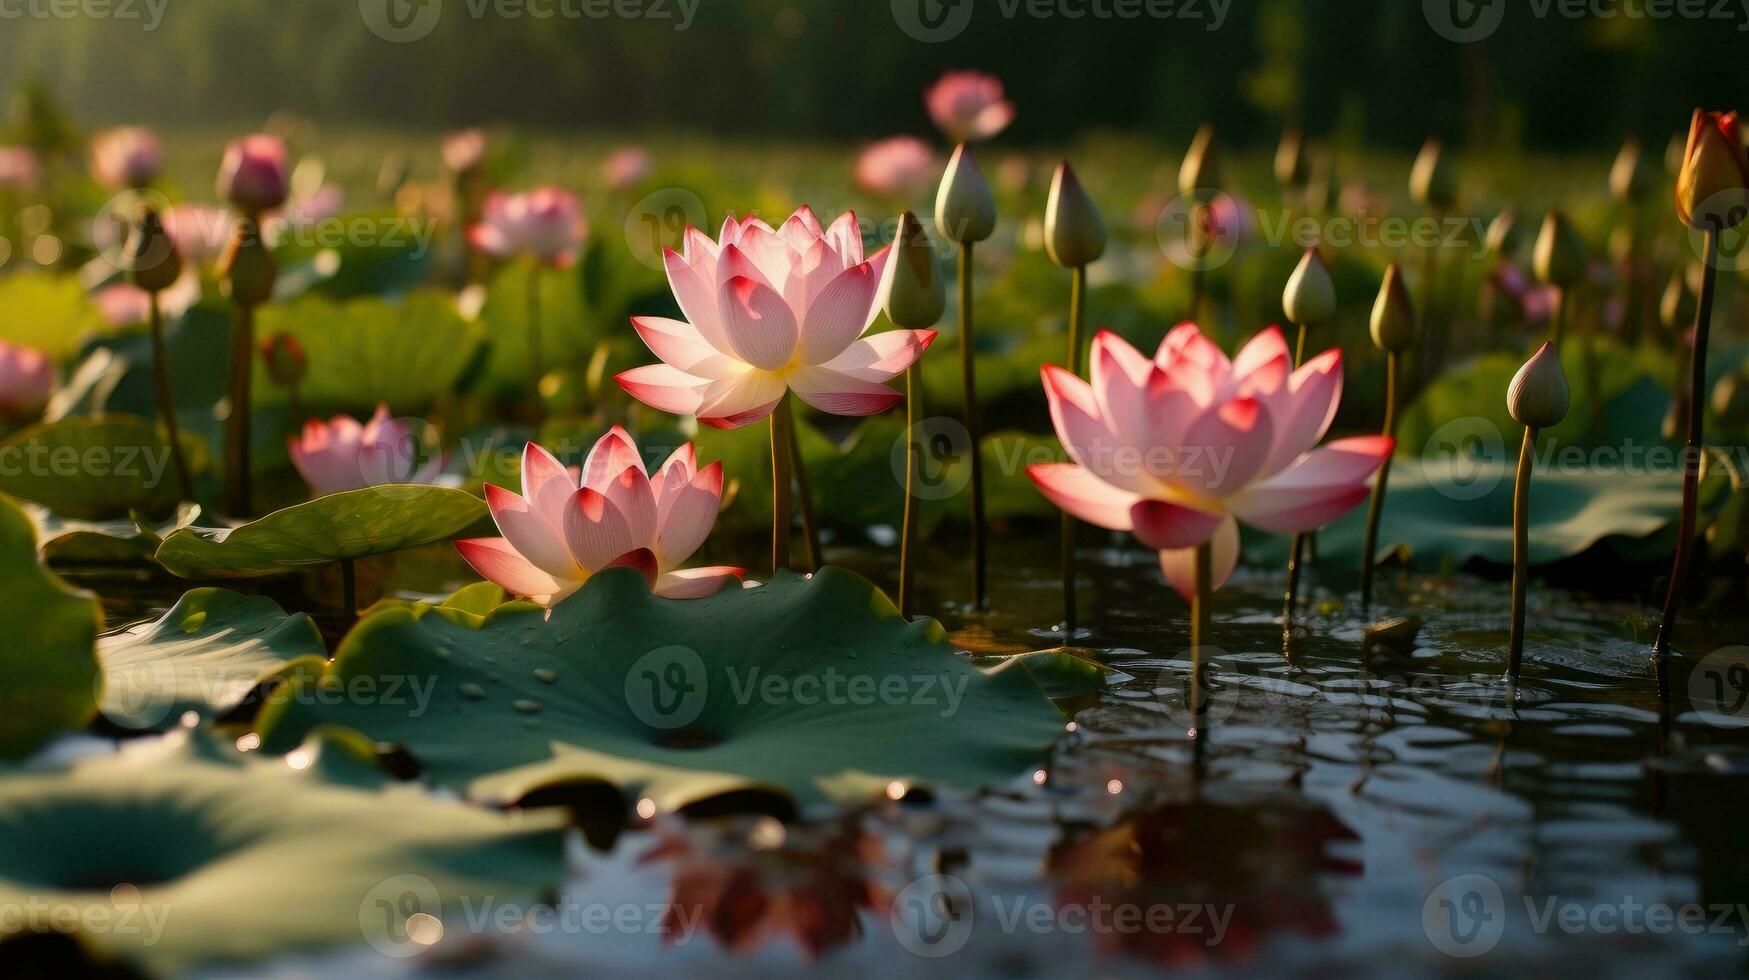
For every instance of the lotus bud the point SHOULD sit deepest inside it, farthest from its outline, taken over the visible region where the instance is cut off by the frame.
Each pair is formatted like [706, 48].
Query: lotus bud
[916, 292]
[152, 260]
[1310, 296]
[1291, 167]
[1393, 314]
[1431, 182]
[1712, 189]
[1074, 230]
[253, 175]
[284, 358]
[1629, 180]
[1559, 258]
[1538, 397]
[1676, 309]
[246, 269]
[965, 210]
[1200, 174]
[1504, 236]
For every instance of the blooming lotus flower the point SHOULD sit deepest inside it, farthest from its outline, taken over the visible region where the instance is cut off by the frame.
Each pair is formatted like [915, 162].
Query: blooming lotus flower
[254, 173]
[903, 166]
[127, 157]
[545, 223]
[968, 106]
[770, 312]
[340, 454]
[27, 379]
[18, 168]
[1175, 448]
[625, 168]
[557, 534]
[464, 150]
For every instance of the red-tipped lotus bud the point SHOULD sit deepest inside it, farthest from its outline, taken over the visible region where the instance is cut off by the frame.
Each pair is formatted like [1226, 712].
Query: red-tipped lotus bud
[916, 292]
[1074, 230]
[1199, 174]
[246, 269]
[1629, 179]
[1559, 259]
[254, 175]
[1538, 397]
[1431, 181]
[1712, 189]
[1310, 296]
[965, 210]
[284, 358]
[151, 257]
[1393, 314]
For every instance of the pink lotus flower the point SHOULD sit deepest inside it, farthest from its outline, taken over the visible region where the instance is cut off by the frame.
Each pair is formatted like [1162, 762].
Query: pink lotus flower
[557, 534]
[625, 168]
[464, 150]
[770, 312]
[968, 106]
[903, 166]
[18, 168]
[27, 379]
[200, 232]
[127, 157]
[340, 454]
[254, 173]
[1175, 448]
[545, 223]
[124, 304]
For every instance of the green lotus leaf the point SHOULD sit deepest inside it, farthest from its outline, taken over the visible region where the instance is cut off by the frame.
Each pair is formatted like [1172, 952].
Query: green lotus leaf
[204, 655]
[63, 541]
[179, 855]
[47, 312]
[339, 526]
[568, 330]
[47, 634]
[809, 685]
[387, 261]
[1063, 672]
[95, 469]
[363, 352]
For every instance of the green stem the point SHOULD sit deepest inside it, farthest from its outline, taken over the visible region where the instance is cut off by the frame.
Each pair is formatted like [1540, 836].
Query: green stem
[166, 398]
[1077, 321]
[1199, 626]
[237, 475]
[1296, 551]
[1558, 318]
[1520, 551]
[349, 590]
[805, 501]
[1375, 510]
[1691, 453]
[536, 357]
[1432, 350]
[781, 426]
[968, 371]
[913, 455]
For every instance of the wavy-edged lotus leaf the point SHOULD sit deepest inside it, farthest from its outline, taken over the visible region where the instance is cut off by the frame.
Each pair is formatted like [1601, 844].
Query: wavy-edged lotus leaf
[213, 857]
[48, 312]
[349, 525]
[363, 352]
[812, 686]
[204, 655]
[64, 541]
[95, 469]
[47, 636]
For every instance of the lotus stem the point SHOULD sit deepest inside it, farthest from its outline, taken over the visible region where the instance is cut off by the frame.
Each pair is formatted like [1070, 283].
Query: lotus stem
[1520, 551]
[1077, 321]
[1432, 351]
[535, 355]
[1296, 551]
[781, 427]
[166, 398]
[1376, 509]
[968, 370]
[1691, 453]
[1558, 317]
[1199, 624]
[237, 476]
[913, 461]
[805, 500]
[349, 591]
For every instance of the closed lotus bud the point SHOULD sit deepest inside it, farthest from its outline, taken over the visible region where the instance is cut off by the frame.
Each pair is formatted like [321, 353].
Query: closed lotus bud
[965, 210]
[1676, 308]
[1393, 314]
[1504, 236]
[1074, 230]
[1291, 167]
[254, 174]
[1712, 189]
[1629, 180]
[916, 292]
[152, 260]
[1538, 397]
[246, 269]
[1559, 259]
[284, 358]
[1310, 296]
[1431, 182]
[1200, 173]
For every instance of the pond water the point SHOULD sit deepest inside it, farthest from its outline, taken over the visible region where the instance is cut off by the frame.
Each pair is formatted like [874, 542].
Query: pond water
[1347, 809]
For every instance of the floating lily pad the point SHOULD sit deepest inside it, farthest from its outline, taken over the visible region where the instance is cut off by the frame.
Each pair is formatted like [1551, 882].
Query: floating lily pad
[204, 655]
[118, 542]
[186, 855]
[95, 469]
[364, 352]
[354, 524]
[810, 686]
[47, 632]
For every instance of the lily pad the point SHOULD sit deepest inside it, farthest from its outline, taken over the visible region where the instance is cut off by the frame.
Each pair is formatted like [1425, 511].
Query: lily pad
[179, 856]
[118, 542]
[363, 352]
[47, 312]
[47, 634]
[95, 469]
[350, 525]
[209, 651]
[809, 686]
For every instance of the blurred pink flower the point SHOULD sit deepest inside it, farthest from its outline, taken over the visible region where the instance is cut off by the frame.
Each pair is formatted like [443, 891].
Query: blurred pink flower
[464, 150]
[545, 223]
[340, 454]
[27, 379]
[130, 156]
[903, 166]
[770, 312]
[625, 168]
[968, 106]
[254, 173]
[557, 533]
[18, 168]
[200, 231]
[124, 304]
[1175, 448]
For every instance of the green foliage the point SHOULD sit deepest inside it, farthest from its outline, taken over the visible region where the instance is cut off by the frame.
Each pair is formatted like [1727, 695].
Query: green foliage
[47, 634]
[365, 352]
